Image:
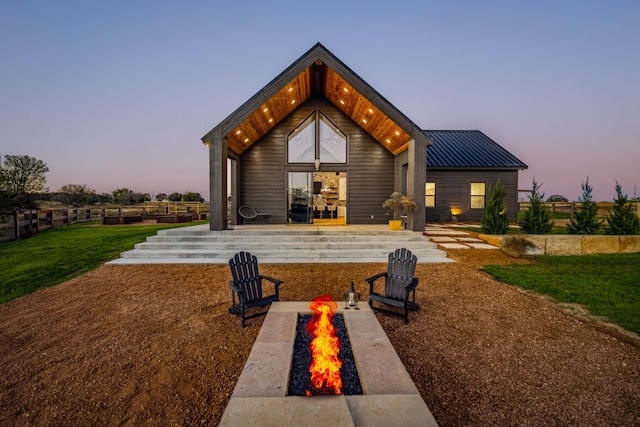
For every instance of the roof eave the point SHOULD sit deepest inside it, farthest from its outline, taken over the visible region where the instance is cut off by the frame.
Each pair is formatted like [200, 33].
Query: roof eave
[318, 52]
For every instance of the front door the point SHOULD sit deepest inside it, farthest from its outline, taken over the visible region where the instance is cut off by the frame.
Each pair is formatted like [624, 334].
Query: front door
[300, 201]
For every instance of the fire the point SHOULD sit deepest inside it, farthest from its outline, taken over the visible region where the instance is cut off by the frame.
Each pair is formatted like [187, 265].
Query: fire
[325, 347]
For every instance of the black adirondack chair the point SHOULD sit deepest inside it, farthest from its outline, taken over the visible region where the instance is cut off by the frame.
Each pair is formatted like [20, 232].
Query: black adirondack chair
[247, 285]
[399, 284]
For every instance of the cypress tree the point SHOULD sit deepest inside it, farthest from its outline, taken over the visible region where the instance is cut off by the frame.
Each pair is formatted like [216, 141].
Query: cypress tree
[584, 220]
[535, 219]
[622, 220]
[495, 220]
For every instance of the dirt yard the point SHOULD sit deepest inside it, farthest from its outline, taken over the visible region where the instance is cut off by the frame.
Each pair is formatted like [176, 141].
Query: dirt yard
[155, 345]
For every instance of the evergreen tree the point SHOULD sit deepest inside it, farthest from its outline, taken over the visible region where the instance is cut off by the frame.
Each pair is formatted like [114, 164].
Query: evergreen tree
[495, 219]
[584, 220]
[535, 219]
[622, 220]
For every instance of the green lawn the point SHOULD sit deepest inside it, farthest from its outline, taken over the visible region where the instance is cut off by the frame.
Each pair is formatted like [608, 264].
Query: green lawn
[607, 285]
[58, 254]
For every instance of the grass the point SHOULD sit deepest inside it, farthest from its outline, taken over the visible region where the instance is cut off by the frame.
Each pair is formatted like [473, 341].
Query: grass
[61, 253]
[606, 285]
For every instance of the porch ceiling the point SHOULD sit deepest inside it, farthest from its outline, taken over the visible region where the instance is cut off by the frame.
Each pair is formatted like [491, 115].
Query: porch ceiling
[321, 81]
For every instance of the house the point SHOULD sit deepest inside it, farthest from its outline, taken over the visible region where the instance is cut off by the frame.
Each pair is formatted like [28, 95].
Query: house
[318, 144]
[462, 168]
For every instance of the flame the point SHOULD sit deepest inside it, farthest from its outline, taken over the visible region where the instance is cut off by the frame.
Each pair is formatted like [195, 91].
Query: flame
[325, 347]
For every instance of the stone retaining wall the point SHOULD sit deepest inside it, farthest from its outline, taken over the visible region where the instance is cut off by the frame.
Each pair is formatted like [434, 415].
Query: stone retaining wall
[524, 245]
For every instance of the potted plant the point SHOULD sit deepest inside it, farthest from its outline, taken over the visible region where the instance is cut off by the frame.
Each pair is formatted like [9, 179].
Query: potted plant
[399, 205]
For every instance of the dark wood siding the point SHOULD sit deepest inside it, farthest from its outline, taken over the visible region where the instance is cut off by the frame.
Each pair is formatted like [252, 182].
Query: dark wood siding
[263, 168]
[453, 192]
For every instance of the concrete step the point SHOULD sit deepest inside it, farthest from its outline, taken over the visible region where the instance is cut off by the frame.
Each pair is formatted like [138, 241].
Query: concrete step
[281, 245]
[286, 238]
[286, 245]
[379, 254]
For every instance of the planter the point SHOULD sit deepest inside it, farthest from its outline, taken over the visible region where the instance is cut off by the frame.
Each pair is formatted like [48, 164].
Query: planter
[395, 224]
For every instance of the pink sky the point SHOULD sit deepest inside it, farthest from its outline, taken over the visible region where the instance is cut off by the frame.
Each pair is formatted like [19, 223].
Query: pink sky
[118, 94]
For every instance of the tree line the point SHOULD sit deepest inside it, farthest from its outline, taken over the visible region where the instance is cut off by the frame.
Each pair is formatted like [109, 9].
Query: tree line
[23, 180]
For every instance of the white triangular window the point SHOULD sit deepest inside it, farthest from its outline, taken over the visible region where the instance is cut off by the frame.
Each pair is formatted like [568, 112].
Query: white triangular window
[333, 143]
[317, 138]
[302, 142]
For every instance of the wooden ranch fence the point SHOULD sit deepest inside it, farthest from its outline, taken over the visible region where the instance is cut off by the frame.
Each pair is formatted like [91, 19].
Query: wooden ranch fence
[21, 224]
[16, 225]
[604, 208]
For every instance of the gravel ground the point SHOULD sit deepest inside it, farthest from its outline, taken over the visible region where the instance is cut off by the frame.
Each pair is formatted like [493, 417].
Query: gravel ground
[154, 345]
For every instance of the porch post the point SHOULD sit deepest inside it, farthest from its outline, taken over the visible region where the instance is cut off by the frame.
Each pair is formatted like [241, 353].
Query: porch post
[416, 179]
[217, 182]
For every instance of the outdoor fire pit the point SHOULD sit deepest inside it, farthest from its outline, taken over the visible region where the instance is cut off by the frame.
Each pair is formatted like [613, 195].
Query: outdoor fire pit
[262, 396]
[300, 380]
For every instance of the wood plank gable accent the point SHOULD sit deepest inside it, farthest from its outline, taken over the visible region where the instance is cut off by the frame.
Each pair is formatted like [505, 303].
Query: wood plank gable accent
[318, 73]
[269, 114]
[365, 113]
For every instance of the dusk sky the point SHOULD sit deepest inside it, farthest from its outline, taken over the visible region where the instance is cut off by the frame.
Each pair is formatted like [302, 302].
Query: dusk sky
[117, 94]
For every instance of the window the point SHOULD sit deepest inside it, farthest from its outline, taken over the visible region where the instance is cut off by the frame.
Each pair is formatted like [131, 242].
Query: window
[333, 144]
[477, 195]
[430, 195]
[317, 138]
[302, 142]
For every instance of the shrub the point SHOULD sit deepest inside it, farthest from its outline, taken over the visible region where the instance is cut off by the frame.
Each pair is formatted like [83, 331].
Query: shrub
[399, 205]
[535, 219]
[495, 219]
[584, 220]
[622, 220]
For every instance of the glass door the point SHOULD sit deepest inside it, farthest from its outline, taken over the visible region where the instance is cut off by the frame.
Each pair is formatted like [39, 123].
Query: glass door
[300, 201]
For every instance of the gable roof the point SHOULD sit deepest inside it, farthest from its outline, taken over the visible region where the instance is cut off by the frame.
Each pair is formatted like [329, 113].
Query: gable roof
[318, 73]
[468, 149]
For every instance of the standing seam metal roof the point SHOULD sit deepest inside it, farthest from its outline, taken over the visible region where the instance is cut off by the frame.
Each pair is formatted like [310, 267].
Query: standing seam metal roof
[468, 149]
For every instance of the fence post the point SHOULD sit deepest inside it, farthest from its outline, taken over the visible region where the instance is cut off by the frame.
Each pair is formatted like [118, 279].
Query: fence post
[28, 221]
[16, 223]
